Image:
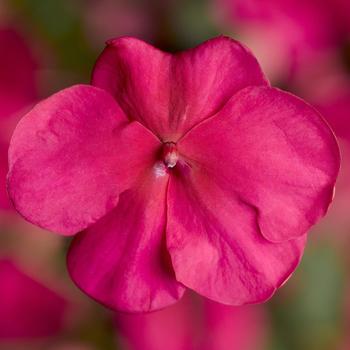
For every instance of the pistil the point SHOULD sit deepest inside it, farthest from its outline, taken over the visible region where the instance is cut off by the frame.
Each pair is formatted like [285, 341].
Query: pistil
[170, 154]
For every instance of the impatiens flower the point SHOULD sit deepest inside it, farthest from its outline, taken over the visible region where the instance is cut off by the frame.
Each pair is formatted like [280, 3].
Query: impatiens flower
[181, 171]
[28, 308]
[195, 324]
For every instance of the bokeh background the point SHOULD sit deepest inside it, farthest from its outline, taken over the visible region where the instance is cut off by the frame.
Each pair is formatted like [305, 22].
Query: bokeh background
[46, 45]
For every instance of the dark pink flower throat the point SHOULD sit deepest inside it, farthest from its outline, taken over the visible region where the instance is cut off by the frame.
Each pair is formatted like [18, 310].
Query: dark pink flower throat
[170, 154]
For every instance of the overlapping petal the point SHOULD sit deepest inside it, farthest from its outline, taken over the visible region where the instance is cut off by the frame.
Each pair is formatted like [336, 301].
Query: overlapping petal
[215, 243]
[251, 179]
[275, 153]
[122, 260]
[169, 94]
[72, 155]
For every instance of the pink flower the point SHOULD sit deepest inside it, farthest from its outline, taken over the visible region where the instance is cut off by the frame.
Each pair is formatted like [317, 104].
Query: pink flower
[28, 308]
[181, 171]
[195, 324]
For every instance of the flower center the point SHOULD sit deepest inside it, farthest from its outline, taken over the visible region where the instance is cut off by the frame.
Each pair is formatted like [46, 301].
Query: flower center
[170, 154]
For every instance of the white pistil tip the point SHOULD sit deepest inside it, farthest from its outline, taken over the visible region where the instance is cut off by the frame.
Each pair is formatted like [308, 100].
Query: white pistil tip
[170, 154]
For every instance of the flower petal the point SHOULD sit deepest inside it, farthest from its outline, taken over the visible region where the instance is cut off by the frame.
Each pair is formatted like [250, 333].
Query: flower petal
[122, 260]
[275, 153]
[72, 155]
[215, 244]
[169, 94]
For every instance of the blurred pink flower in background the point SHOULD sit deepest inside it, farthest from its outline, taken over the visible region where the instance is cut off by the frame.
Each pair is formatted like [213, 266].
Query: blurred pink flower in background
[286, 34]
[18, 90]
[202, 164]
[18, 84]
[195, 324]
[29, 309]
